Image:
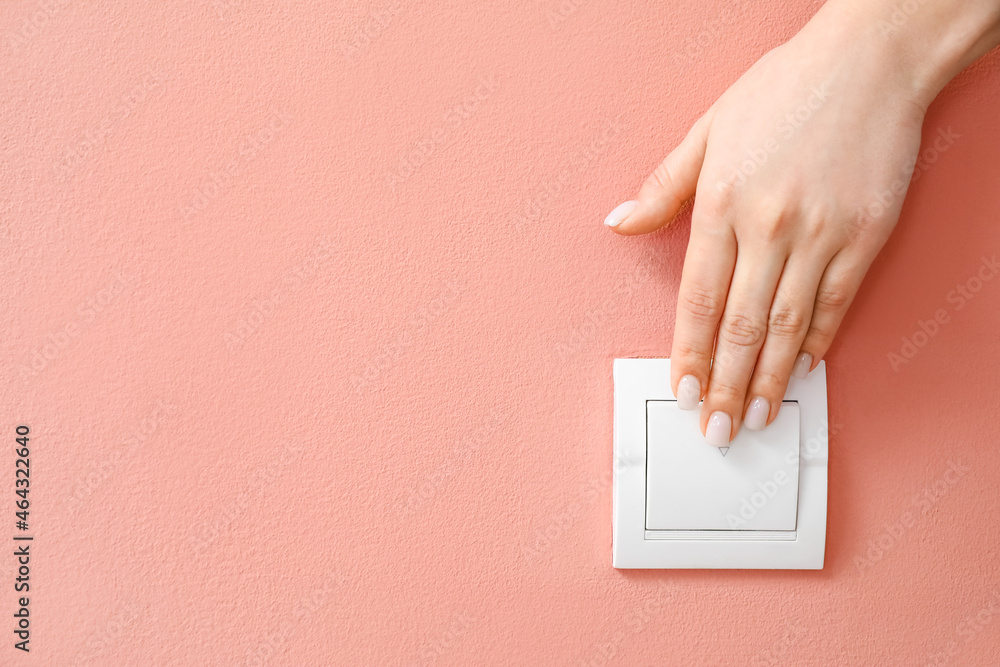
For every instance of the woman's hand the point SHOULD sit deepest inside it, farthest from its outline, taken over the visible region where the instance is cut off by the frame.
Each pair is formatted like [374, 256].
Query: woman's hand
[800, 170]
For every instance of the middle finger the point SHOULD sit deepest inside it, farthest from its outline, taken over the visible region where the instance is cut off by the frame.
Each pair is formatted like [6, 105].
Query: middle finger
[741, 334]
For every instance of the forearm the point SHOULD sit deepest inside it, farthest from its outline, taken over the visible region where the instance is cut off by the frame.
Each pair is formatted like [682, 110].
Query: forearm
[927, 41]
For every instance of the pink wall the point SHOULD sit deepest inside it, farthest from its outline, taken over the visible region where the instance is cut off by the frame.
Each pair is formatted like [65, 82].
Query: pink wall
[311, 312]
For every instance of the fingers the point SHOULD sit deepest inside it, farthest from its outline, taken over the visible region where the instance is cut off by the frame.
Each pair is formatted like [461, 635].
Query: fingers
[749, 317]
[788, 321]
[836, 291]
[701, 299]
[667, 188]
[741, 335]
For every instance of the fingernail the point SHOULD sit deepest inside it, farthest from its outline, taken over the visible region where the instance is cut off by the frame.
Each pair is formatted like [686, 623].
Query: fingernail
[621, 212]
[719, 428]
[802, 365]
[757, 413]
[688, 393]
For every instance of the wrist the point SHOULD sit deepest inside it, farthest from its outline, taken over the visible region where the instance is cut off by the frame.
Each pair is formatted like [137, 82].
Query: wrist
[921, 44]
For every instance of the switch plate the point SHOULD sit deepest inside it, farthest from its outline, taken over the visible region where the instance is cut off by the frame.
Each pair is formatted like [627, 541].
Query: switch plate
[682, 503]
[751, 485]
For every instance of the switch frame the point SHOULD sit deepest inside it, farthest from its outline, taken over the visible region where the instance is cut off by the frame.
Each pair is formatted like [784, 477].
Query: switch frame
[633, 546]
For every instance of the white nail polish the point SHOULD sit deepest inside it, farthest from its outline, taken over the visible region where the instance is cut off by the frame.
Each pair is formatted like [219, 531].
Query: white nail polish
[688, 393]
[802, 365]
[720, 426]
[621, 212]
[757, 413]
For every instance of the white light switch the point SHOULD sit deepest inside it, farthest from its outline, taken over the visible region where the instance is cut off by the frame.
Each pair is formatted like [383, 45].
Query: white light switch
[679, 502]
[690, 485]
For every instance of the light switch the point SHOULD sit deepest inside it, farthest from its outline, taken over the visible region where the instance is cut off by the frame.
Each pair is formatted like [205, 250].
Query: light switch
[691, 485]
[679, 502]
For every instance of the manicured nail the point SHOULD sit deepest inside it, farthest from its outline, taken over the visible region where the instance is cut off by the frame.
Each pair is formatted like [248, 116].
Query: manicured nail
[688, 393]
[621, 212]
[802, 365]
[719, 427]
[757, 413]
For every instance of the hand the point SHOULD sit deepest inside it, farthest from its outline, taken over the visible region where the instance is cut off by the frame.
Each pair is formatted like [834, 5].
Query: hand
[800, 170]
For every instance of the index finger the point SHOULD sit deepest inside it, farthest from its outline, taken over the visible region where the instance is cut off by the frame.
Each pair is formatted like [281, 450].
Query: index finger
[708, 269]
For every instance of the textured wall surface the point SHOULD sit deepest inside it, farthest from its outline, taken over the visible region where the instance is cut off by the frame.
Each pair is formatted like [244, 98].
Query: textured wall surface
[311, 313]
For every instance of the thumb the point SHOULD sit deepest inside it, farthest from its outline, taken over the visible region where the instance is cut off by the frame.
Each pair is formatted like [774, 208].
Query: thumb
[667, 188]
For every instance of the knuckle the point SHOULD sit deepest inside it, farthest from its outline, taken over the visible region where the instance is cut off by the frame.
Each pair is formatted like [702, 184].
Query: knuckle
[662, 177]
[721, 198]
[741, 330]
[725, 391]
[833, 297]
[773, 219]
[855, 226]
[871, 222]
[701, 304]
[767, 382]
[815, 228]
[818, 335]
[786, 322]
[771, 230]
[858, 227]
[689, 357]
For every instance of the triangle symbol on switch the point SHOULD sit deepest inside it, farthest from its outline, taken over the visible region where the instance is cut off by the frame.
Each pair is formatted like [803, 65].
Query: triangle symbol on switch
[724, 450]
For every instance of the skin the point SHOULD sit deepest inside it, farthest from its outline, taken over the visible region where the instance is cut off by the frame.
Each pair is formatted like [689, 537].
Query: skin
[800, 170]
